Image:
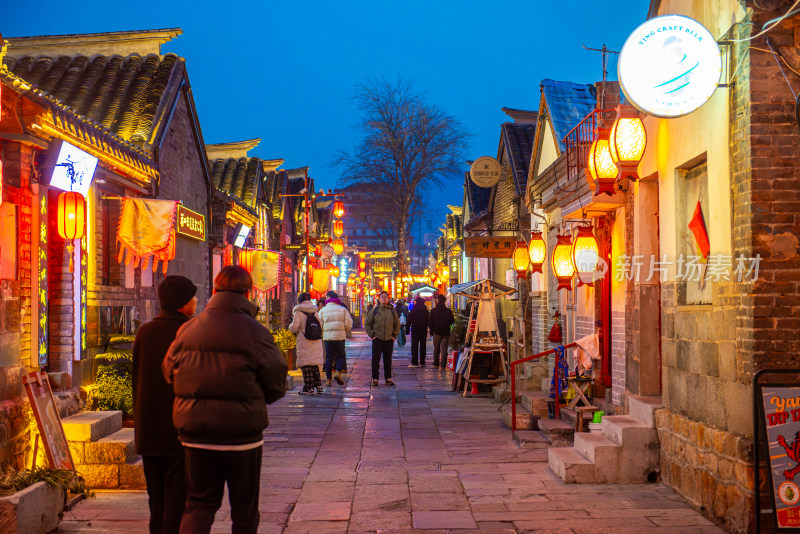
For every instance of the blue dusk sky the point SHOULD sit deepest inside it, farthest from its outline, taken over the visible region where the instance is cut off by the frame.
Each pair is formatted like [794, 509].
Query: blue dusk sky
[286, 71]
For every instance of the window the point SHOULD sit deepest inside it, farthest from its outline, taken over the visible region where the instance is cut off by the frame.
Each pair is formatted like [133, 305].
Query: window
[691, 187]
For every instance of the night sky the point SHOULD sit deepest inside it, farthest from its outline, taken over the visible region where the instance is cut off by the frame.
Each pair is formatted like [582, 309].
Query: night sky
[286, 71]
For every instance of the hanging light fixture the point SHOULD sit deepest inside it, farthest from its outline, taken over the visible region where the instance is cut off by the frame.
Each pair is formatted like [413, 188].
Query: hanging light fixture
[338, 228]
[335, 272]
[602, 169]
[521, 259]
[338, 246]
[627, 142]
[338, 209]
[563, 268]
[537, 251]
[318, 250]
[71, 220]
[585, 255]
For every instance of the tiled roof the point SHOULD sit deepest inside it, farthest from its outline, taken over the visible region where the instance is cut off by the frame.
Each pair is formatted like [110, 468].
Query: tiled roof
[568, 104]
[518, 141]
[121, 94]
[237, 178]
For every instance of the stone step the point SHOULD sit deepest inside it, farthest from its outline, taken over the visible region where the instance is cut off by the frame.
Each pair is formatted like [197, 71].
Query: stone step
[113, 476]
[643, 408]
[629, 432]
[91, 426]
[535, 402]
[570, 465]
[531, 439]
[559, 432]
[525, 420]
[500, 393]
[604, 454]
[131, 476]
[118, 448]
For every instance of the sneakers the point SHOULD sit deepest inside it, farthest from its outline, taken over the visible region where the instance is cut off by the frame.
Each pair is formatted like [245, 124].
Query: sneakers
[320, 390]
[388, 382]
[329, 382]
[338, 377]
[305, 392]
[374, 382]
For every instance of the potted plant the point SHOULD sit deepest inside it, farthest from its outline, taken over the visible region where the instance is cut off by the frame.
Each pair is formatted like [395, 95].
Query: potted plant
[287, 342]
[113, 385]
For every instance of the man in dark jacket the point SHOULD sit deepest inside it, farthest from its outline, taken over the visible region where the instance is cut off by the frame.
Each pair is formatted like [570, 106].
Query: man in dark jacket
[440, 321]
[225, 368]
[156, 438]
[417, 326]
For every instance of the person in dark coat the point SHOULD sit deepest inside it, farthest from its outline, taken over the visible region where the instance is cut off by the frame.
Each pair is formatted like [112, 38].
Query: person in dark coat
[417, 326]
[440, 321]
[225, 368]
[156, 438]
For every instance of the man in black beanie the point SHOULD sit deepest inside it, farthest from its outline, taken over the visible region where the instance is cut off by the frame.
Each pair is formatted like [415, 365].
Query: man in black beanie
[156, 438]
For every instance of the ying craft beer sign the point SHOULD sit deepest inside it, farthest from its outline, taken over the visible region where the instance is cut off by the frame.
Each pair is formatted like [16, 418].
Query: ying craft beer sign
[782, 419]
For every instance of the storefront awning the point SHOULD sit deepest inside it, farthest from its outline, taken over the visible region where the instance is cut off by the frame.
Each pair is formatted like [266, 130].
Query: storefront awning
[471, 287]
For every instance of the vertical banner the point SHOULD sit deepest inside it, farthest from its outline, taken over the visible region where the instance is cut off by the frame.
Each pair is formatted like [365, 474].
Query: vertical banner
[84, 297]
[782, 420]
[43, 278]
[266, 269]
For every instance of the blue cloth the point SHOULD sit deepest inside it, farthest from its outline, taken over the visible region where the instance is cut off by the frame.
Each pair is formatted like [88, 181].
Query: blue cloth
[401, 339]
[556, 387]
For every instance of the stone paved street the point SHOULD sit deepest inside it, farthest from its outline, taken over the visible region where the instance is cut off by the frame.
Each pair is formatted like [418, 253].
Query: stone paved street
[410, 458]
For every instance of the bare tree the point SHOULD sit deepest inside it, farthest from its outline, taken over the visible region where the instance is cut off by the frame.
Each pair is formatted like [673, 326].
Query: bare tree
[408, 145]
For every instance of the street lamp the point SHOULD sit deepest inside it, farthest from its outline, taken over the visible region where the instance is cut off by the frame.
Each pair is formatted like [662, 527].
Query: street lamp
[563, 268]
[601, 167]
[537, 250]
[585, 254]
[627, 142]
[521, 259]
[71, 220]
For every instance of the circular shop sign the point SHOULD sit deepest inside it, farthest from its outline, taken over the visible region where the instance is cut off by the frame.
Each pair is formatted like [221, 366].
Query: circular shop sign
[669, 66]
[485, 171]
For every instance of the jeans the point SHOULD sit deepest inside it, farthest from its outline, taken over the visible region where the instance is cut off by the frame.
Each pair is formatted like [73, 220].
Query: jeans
[418, 347]
[440, 344]
[207, 472]
[166, 492]
[383, 348]
[335, 357]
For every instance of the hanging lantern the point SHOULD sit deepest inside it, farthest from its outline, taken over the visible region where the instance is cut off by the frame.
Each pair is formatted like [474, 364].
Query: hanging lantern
[537, 251]
[338, 228]
[585, 255]
[627, 142]
[245, 260]
[362, 265]
[602, 169]
[362, 275]
[563, 268]
[338, 246]
[71, 220]
[318, 251]
[335, 272]
[521, 259]
[338, 209]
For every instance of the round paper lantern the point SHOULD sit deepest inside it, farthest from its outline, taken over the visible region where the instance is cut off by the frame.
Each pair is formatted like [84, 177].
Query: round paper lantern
[627, 142]
[318, 250]
[338, 228]
[338, 209]
[362, 275]
[537, 251]
[601, 167]
[335, 272]
[71, 215]
[338, 246]
[521, 259]
[563, 268]
[585, 255]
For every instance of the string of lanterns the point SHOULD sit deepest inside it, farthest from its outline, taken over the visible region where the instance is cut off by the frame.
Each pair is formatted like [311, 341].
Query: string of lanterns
[616, 152]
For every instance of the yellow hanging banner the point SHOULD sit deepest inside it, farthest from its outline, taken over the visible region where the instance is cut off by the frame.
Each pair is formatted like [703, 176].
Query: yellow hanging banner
[265, 269]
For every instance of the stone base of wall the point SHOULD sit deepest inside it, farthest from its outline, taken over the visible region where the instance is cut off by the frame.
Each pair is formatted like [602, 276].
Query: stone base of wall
[711, 468]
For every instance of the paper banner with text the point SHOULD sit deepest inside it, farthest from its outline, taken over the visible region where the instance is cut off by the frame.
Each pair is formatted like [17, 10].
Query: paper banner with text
[266, 269]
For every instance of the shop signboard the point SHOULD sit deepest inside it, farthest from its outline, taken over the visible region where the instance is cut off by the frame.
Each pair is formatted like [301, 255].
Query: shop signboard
[782, 422]
[266, 269]
[51, 432]
[489, 247]
[669, 66]
[190, 224]
[485, 171]
[71, 169]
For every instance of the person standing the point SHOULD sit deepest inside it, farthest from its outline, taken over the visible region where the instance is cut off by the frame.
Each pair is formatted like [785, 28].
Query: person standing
[225, 368]
[440, 321]
[336, 326]
[306, 325]
[383, 326]
[155, 436]
[417, 326]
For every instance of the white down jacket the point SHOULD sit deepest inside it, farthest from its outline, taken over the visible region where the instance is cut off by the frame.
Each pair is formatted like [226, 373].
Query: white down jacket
[309, 352]
[336, 321]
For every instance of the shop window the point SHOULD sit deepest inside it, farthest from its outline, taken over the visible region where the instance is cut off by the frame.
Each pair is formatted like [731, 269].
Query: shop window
[110, 269]
[8, 241]
[691, 187]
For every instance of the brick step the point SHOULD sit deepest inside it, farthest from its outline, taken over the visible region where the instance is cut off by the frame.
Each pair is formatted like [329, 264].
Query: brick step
[113, 476]
[531, 439]
[91, 426]
[570, 466]
[535, 402]
[525, 420]
[559, 432]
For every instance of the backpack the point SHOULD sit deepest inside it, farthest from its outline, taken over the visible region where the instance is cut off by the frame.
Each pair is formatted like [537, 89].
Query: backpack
[313, 329]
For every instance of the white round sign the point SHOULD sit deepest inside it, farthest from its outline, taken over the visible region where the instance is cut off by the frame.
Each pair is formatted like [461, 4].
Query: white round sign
[485, 171]
[669, 66]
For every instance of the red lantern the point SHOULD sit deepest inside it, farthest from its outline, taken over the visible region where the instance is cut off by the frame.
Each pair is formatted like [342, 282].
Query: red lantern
[338, 246]
[537, 250]
[246, 260]
[600, 166]
[585, 254]
[627, 142]
[335, 272]
[563, 268]
[521, 259]
[338, 228]
[71, 220]
[338, 209]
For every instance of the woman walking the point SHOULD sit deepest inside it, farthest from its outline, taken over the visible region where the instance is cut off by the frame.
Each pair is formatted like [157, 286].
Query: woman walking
[309, 343]
[383, 327]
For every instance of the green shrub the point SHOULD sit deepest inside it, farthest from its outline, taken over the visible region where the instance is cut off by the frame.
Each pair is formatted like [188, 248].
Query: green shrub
[113, 388]
[14, 481]
[284, 339]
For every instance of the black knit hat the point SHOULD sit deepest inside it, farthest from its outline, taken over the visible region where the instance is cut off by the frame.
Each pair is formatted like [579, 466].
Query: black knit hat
[175, 291]
[332, 295]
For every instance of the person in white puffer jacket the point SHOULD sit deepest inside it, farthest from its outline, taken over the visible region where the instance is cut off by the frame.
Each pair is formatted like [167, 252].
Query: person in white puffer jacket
[309, 351]
[336, 326]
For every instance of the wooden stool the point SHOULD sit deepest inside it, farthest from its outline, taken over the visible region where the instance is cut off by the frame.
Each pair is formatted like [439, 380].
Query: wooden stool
[579, 386]
[579, 418]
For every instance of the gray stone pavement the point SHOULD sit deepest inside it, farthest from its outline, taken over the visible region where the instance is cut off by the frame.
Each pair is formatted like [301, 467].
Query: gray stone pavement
[410, 458]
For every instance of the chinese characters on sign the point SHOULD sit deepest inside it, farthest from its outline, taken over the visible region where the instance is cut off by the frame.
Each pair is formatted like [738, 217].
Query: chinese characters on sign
[489, 247]
[687, 268]
[485, 171]
[782, 418]
[43, 281]
[190, 224]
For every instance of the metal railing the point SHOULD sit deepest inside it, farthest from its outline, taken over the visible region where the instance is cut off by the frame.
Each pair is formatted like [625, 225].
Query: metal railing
[580, 139]
[556, 381]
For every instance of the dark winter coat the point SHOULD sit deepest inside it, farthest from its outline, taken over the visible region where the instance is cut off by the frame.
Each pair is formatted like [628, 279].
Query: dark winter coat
[440, 320]
[418, 321]
[225, 368]
[152, 396]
